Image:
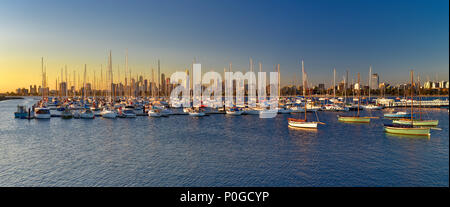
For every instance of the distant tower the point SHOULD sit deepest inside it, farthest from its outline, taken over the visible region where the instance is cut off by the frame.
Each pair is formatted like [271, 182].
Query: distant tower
[375, 81]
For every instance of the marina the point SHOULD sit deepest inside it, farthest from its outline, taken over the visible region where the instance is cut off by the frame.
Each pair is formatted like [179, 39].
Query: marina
[217, 150]
[205, 94]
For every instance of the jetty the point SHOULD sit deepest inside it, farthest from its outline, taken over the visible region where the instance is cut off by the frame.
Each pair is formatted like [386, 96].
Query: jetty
[391, 103]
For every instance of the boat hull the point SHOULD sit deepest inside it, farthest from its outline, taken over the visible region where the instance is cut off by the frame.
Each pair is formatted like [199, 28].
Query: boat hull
[417, 122]
[154, 114]
[408, 131]
[397, 115]
[109, 115]
[309, 125]
[42, 116]
[354, 119]
[129, 115]
[234, 113]
[66, 116]
[87, 116]
[196, 114]
[20, 115]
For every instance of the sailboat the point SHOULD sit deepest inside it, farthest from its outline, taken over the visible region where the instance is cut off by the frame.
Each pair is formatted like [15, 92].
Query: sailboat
[303, 123]
[107, 112]
[67, 113]
[357, 118]
[398, 114]
[369, 105]
[407, 129]
[417, 122]
[196, 112]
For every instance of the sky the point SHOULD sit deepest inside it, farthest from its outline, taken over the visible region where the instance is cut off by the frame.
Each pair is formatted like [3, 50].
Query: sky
[392, 36]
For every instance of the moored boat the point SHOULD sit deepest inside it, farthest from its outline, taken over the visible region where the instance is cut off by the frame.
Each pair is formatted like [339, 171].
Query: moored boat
[354, 119]
[416, 122]
[42, 113]
[196, 112]
[302, 123]
[372, 107]
[21, 112]
[406, 130]
[87, 114]
[128, 113]
[398, 114]
[108, 113]
[154, 113]
[234, 111]
[67, 114]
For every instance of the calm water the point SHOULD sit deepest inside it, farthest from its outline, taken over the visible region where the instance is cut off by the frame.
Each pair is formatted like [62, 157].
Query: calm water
[217, 150]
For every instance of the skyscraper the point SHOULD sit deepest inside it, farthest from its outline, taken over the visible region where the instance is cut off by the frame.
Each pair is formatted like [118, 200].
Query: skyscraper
[375, 81]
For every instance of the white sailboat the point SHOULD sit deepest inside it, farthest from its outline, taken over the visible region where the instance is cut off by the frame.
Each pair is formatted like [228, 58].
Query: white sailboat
[303, 123]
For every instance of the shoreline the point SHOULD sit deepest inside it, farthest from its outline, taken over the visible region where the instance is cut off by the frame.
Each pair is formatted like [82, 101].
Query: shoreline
[4, 98]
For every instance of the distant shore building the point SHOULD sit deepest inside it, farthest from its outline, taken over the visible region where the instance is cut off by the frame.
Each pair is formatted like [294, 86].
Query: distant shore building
[375, 81]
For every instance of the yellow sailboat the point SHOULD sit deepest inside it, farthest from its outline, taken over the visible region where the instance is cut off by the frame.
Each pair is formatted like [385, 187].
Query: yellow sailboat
[357, 118]
[408, 129]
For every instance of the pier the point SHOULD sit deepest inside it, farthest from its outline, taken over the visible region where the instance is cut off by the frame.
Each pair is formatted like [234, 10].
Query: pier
[391, 103]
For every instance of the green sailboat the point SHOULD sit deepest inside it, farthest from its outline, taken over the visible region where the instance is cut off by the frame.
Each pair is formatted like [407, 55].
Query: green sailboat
[357, 118]
[407, 127]
[420, 121]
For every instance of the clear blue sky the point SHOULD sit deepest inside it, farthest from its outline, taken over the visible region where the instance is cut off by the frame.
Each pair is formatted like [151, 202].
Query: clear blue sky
[393, 36]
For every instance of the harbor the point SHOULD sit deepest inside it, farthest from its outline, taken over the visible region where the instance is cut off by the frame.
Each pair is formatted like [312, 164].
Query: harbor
[217, 150]
[203, 94]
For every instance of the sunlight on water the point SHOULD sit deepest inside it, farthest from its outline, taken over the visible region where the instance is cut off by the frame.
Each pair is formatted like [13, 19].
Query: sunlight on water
[216, 150]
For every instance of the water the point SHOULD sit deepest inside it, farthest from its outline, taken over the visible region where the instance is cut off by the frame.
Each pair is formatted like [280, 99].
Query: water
[216, 150]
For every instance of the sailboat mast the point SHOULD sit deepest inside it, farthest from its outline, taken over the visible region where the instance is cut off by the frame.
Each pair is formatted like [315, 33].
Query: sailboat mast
[412, 96]
[84, 83]
[420, 99]
[159, 77]
[359, 94]
[259, 92]
[42, 71]
[304, 85]
[111, 73]
[126, 72]
[345, 86]
[370, 81]
[334, 83]
[303, 80]
[279, 80]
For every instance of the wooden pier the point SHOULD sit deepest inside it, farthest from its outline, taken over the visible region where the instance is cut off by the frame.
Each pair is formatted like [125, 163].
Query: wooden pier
[390, 103]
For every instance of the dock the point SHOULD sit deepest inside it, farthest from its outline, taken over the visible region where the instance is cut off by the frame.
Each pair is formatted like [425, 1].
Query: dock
[390, 103]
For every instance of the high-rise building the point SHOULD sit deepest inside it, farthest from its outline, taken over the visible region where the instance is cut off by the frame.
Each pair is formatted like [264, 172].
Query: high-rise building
[321, 86]
[63, 89]
[375, 82]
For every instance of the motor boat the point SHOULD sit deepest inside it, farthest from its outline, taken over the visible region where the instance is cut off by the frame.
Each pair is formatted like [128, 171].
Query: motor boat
[196, 112]
[67, 113]
[21, 112]
[42, 113]
[87, 114]
[128, 113]
[108, 113]
[154, 113]
[372, 107]
[234, 111]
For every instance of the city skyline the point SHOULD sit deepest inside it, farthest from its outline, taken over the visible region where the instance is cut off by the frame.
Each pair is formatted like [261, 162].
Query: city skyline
[392, 37]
